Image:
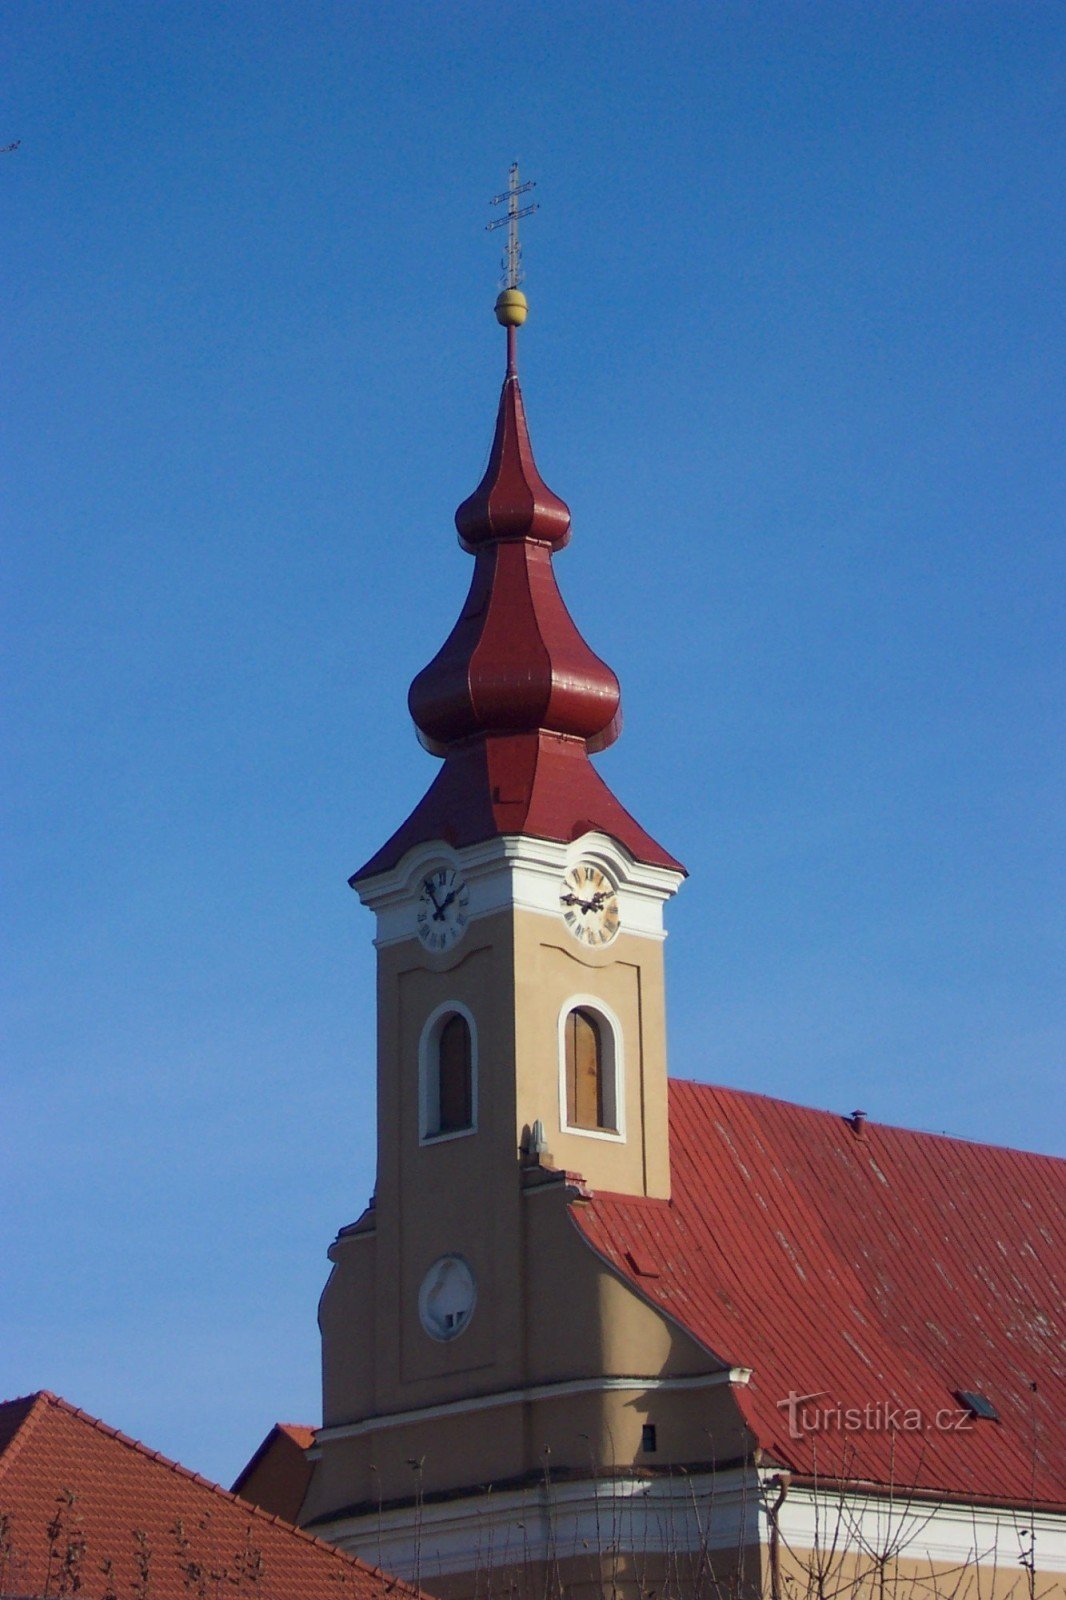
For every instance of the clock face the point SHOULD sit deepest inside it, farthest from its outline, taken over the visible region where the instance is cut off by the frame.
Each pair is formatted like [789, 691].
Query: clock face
[590, 904]
[442, 909]
[447, 1298]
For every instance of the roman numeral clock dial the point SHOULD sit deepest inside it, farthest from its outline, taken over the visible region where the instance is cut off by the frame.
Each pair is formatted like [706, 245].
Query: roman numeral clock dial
[443, 908]
[589, 903]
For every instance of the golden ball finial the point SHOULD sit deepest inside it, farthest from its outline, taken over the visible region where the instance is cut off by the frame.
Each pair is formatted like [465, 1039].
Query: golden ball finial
[511, 308]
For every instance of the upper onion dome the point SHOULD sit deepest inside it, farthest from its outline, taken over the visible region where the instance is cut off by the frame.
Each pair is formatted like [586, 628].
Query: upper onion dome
[514, 662]
[512, 501]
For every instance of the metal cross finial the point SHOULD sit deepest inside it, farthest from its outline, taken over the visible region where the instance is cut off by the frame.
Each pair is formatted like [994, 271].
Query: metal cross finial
[512, 261]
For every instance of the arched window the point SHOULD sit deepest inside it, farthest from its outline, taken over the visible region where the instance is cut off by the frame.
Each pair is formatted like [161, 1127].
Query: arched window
[591, 1069]
[589, 1074]
[448, 1073]
[584, 1070]
[454, 1076]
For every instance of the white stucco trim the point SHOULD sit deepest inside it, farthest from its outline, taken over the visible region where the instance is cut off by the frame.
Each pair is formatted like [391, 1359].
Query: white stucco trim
[539, 1391]
[921, 1530]
[687, 1513]
[427, 1063]
[557, 1521]
[614, 1065]
[521, 872]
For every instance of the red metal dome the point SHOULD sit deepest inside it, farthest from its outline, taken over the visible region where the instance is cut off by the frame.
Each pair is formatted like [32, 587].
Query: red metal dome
[514, 662]
[515, 701]
[512, 501]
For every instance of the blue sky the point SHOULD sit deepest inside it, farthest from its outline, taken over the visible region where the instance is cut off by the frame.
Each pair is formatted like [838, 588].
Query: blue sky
[794, 359]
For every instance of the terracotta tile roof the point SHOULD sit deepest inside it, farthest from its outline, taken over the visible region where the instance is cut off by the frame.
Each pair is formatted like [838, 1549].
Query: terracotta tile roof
[133, 1508]
[890, 1267]
[278, 1474]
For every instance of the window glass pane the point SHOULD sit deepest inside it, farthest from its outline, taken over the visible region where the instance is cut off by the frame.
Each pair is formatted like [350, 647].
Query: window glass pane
[454, 1064]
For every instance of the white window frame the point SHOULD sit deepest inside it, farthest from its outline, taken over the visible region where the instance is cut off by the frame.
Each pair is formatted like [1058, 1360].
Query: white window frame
[429, 1076]
[614, 1066]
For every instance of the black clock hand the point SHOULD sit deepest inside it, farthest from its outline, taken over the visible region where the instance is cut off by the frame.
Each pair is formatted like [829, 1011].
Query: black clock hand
[586, 905]
[438, 915]
[427, 885]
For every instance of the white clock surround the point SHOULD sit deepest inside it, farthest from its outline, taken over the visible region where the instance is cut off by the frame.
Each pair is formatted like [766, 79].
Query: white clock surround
[442, 906]
[514, 871]
[589, 902]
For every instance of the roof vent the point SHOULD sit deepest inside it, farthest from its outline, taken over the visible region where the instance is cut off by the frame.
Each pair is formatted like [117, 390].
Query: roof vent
[642, 1261]
[858, 1124]
[978, 1405]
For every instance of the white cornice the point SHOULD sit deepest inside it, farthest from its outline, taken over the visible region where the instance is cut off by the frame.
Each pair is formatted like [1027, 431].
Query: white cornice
[518, 872]
[961, 1536]
[554, 1521]
[540, 1391]
[684, 1513]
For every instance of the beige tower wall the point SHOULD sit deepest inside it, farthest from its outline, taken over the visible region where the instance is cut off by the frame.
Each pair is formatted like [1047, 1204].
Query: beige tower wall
[462, 1195]
[869, 1575]
[582, 1330]
[562, 1361]
[628, 977]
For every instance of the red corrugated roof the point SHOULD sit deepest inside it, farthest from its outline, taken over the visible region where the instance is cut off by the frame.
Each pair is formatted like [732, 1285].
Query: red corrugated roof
[890, 1269]
[127, 1505]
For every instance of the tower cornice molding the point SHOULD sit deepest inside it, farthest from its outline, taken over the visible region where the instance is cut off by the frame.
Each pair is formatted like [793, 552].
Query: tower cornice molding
[516, 872]
[563, 1389]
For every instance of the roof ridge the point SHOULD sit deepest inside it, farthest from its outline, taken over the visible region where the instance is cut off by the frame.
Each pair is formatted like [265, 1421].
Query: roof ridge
[39, 1399]
[871, 1122]
[186, 1472]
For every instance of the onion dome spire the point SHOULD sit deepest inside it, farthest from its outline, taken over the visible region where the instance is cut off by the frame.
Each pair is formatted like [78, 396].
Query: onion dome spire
[514, 662]
[512, 501]
[515, 701]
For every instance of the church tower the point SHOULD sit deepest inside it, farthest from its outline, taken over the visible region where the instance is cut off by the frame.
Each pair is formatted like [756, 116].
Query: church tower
[576, 1347]
[470, 1335]
[519, 908]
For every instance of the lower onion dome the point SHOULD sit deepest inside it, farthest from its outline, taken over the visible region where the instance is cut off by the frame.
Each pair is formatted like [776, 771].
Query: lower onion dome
[515, 662]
